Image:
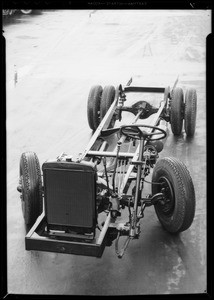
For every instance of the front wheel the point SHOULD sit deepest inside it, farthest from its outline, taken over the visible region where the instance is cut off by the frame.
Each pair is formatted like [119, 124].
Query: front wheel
[30, 186]
[171, 177]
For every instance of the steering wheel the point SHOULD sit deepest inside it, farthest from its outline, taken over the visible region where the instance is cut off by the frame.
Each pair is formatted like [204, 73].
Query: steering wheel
[134, 132]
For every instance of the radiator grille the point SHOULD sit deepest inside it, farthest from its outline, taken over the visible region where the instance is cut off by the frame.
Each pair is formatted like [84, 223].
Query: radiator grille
[69, 197]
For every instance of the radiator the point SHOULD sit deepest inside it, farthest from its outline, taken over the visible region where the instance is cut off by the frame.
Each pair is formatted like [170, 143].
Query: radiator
[69, 194]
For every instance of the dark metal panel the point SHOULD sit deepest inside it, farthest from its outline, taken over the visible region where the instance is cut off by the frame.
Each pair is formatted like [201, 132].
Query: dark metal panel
[69, 196]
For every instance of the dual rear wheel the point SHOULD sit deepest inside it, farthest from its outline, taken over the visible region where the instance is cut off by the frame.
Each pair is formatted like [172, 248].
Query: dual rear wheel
[99, 102]
[183, 111]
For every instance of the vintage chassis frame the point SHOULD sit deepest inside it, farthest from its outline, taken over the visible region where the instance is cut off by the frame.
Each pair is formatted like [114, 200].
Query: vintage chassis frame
[35, 240]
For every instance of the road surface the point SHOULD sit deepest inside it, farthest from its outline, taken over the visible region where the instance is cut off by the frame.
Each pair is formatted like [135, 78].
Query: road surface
[53, 58]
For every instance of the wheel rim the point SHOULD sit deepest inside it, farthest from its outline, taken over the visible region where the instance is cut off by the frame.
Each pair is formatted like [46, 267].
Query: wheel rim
[167, 206]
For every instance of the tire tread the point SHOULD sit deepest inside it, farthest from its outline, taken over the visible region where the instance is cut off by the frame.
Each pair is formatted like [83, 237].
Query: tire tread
[93, 106]
[30, 169]
[190, 112]
[176, 116]
[184, 194]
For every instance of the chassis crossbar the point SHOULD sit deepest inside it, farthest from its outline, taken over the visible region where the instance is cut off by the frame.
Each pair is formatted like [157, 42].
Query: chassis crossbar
[144, 89]
[110, 154]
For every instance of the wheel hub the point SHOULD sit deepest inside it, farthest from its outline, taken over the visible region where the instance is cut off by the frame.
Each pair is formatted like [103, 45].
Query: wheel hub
[168, 203]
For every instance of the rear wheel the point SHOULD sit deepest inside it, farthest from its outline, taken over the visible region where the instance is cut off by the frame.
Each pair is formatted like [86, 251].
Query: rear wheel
[30, 186]
[107, 99]
[177, 114]
[176, 212]
[93, 106]
[190, 112]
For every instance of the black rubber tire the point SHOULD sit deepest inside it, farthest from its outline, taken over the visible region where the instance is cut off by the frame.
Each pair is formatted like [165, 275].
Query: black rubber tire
[108, 96]
[190, 112]
[177, 111]
[31, 187]
[177, 215]
[93, 106]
